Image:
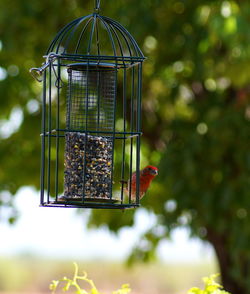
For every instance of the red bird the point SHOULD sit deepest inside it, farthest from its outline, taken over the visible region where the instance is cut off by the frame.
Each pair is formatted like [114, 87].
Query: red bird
[146, 176]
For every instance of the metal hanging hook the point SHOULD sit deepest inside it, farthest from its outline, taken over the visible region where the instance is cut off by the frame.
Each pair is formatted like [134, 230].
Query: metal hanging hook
[97, 5]
[37, 72]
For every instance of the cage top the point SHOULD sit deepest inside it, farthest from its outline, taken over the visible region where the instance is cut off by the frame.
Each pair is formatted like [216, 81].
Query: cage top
[97, 38]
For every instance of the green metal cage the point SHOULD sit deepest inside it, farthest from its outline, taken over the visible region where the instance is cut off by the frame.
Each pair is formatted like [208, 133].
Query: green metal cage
[91, 115]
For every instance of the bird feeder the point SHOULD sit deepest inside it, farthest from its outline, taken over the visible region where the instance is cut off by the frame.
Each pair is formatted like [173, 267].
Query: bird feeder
[91, 115]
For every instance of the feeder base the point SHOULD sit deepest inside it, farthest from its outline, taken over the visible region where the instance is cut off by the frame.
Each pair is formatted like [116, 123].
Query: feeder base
[85, 199]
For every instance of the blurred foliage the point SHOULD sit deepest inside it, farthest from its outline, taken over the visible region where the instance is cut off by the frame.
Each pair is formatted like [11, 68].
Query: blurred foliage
[196, 115]
[211, 287]
[30, 274]
[74, 283]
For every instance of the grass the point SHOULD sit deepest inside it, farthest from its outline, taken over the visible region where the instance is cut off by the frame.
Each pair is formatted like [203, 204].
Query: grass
[33, 275]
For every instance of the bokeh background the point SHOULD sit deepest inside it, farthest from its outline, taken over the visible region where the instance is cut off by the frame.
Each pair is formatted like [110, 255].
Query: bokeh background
[196, 123]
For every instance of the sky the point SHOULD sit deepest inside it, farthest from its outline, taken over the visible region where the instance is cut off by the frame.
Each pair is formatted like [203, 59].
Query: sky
[62, 233]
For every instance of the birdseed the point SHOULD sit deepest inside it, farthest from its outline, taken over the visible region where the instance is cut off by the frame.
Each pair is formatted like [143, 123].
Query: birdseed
[88, 169]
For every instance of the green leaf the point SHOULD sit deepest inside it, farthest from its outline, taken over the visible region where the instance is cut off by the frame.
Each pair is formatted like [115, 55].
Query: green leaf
[211, 287]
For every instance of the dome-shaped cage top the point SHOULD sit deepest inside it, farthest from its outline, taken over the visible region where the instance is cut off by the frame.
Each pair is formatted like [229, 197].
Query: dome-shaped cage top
[97, 38]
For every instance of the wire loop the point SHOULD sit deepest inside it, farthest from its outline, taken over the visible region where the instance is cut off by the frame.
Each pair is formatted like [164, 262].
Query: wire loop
[37, 72]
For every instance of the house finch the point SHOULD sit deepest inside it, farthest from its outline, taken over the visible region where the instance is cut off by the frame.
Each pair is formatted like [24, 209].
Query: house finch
[146, 176]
